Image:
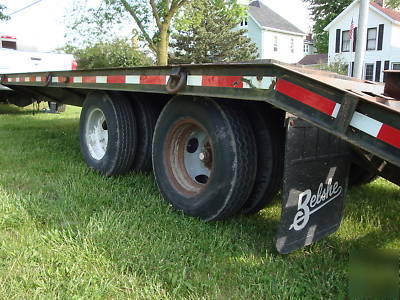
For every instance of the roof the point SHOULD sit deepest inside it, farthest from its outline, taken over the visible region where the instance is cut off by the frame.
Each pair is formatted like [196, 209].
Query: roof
[390, 14]
[266, 17]
[387, 11]
[314, 59]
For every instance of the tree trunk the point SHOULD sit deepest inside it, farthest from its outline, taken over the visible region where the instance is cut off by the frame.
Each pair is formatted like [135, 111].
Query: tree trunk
[162, 49]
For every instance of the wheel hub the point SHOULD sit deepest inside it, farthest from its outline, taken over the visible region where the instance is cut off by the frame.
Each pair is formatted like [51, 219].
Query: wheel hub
[189, 156]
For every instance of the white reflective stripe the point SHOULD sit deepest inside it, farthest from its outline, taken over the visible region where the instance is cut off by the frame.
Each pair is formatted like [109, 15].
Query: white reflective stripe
[101, 79]
[38, 78]
[366, 124]
[336, 110]
[252, 82]
[195, 80]
[78, 79]
[132, 79]
[166, 79]
[17, 79]
[27, 79]
[54, 79]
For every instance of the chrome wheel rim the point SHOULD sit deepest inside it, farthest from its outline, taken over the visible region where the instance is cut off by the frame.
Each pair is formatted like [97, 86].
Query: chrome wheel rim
[96, 134]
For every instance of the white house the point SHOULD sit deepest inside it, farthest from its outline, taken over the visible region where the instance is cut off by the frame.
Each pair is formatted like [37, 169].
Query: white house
[309, 46]
[383, 40]
[275, 37]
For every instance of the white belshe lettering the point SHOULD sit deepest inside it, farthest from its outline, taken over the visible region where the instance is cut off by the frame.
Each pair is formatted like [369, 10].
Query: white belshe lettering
[310, 203]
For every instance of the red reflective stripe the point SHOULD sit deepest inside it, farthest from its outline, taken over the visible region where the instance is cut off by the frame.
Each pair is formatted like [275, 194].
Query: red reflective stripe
[223, 81]
[390, 135]
[8, 37]
[89, 79]
[153, 79]
[307, 97]
[22, 79]
[32, 78]
[116, 79]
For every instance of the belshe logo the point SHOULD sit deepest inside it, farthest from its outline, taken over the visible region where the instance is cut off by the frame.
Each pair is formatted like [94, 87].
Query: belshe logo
[310, 203]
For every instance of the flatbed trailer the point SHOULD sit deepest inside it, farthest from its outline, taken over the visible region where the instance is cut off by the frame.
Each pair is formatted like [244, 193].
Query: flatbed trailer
[223, 139]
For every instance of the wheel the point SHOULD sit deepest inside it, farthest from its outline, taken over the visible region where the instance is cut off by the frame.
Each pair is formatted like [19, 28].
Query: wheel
[360, 176]
[108, 133]
[204, 157]
[57, 107]
[146, 114]
[269, 133]
[61, 107]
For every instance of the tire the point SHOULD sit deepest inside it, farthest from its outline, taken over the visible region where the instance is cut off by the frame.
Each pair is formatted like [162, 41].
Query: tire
[146, 114]
[108, 133]
[61, 107]
[210, 139]
[269, 133]
[58, 107]
[360, 176]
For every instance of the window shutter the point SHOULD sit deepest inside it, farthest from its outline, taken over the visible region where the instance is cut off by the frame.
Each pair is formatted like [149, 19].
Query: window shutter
[337, 48]
[378, 71]
[352, 69]
[386, 67]
[354, 39]
[380, 36]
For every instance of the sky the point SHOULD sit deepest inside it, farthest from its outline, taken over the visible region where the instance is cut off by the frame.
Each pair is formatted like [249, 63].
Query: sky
[42, 25]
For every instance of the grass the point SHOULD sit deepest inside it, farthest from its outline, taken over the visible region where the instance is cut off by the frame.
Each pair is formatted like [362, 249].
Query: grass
[66, 232]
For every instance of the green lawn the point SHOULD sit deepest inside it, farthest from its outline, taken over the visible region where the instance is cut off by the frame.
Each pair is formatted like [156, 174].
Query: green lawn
[66, 232]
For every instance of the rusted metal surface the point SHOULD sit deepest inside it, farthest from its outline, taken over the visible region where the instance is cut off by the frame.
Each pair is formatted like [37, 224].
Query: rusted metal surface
[183, 171]
[392, 85]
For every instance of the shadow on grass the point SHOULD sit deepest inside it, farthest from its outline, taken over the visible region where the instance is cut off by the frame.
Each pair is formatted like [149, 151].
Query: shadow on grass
[124, 214]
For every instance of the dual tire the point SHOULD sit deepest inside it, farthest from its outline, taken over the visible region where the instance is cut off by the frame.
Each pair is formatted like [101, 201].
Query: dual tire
[213, 160]
[210, 160]
[116, 133]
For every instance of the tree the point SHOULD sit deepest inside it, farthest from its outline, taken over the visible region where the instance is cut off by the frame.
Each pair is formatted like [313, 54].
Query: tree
[2, 15]
[323, 12]
[393, 4]
[208, 32]
[118, 53]
[153, 18]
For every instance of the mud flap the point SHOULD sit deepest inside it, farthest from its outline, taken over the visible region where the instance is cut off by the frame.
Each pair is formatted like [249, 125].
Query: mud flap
[314, 185]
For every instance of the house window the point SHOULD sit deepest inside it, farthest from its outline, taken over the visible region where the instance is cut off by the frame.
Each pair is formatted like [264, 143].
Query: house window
[292, 45]
[369, 72]
[305, 48]
[396, 66]
[275, 44]
[371, 39]
[244, 22]
[9, 45]
[346, 41]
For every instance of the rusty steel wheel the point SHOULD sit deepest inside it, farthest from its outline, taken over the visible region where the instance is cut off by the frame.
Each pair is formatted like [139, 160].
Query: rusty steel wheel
[204, 157]
[188, 156]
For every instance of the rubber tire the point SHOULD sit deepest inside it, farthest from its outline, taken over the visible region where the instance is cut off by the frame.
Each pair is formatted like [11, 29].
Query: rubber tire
[360, 176]
[61, 107]
[122, 132]
[146, 114]
[268, 126]
[234, 158]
